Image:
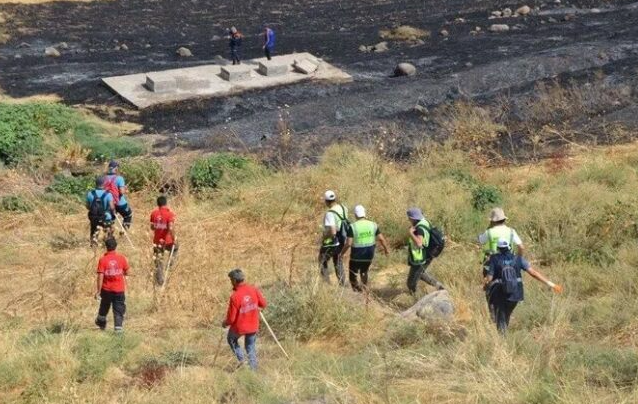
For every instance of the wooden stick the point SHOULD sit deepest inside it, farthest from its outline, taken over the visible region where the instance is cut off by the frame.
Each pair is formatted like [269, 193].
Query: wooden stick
[273, 334]
[125, 231]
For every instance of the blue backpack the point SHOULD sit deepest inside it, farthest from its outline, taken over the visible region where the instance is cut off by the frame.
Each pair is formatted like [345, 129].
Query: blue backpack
[509, 276]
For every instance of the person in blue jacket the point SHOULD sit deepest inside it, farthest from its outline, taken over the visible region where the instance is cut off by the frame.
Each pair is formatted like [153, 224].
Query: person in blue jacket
[269, 42]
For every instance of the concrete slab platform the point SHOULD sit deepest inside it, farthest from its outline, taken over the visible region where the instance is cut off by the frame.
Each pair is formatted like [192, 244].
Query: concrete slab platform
[273, 68]
[236, 72]
[206, 81]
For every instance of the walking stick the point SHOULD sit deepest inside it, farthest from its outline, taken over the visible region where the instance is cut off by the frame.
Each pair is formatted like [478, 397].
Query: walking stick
[273, 334]
[125, 231]
[219, 347]
[168, 266]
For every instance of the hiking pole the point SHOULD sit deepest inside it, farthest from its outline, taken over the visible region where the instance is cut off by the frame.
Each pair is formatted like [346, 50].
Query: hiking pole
[168, 266]
[273, 334]
[125, 231]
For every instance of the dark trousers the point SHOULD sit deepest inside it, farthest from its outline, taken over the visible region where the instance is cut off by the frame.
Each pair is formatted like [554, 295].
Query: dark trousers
[361, 268]
[268, 53]
[503, 309]
[332, 252]
[94, 225]
[420, 272]
[118, 301]
[126, 213]
[234, 56]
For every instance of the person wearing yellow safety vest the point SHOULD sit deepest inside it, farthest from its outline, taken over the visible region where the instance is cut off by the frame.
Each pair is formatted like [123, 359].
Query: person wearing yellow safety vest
[418, 241]
[489, 242]
[335, 221]
[363, 235]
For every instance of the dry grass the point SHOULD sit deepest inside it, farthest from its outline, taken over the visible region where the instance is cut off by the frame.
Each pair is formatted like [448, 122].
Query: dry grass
[404, 33]
[269, 227]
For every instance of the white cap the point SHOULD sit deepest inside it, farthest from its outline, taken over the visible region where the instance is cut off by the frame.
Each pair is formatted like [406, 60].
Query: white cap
[329, 196]
[359, 211]
[503, 243]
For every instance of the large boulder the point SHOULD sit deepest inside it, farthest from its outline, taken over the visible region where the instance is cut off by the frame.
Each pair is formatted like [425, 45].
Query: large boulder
[435, 306]
[184, 52]
[404, 69]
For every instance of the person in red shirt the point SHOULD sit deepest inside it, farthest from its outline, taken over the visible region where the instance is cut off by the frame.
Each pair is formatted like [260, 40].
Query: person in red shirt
[243, 317]
[163, 226]
[112, 270]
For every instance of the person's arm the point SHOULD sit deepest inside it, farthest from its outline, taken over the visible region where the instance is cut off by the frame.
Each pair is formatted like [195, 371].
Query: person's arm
[100, 281]
[416, 238]
[329, 225]
[383, 243]
[541, 278]
[346, 247]
[171, 231]
[231, 314]
[516, 240]
[261, 300]
[121, 185]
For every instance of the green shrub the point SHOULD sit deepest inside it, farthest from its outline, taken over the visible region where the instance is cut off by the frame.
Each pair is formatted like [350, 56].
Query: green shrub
[96, 352]
[484, 196]
[207, 172]
[612, 367]
[16, 203]
[141, 174]
[104, 149]
[72, 186]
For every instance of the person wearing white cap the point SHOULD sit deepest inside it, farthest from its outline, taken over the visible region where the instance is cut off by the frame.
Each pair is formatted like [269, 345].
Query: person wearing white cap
[418, 260]
[363, 236]
[503, 282]
[335, 225]
[496, 230]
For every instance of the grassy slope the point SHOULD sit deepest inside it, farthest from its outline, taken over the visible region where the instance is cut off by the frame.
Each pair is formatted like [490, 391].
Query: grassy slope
[577, 217]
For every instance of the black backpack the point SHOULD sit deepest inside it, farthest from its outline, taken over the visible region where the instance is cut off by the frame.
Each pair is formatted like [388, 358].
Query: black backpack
[437, 242]
[342, 231]
[509, 277]
[96, 209]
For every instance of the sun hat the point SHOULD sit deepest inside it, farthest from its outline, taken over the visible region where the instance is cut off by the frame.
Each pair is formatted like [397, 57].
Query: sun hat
[497, 215]
[359, 211]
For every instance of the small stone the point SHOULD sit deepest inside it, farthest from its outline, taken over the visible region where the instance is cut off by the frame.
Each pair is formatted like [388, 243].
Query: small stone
[52, 52]
[552, 20]
[460, 20]
[497, 13]
[404, 69]
[216, 37]
[499, 28]
[595, 11]
[124, 47]
[148, 45]
[24, 45]
[117, 48]
[469, 64]
[380, 47]
[184, 52]
[63, 45]
[17, 56]
[507, 12]
[525, 10]
[343, 29]
[445, 32]
[363, 48]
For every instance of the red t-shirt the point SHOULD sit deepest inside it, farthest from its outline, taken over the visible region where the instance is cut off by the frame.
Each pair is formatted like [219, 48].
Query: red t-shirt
[160, 218]
[243, 309]
[114, 266]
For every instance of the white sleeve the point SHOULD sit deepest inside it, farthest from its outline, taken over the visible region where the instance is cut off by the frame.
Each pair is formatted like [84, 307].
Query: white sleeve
[329, 220]
[515, 239]
[482, 239]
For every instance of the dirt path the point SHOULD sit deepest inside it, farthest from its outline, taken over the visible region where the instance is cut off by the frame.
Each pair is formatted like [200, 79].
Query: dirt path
[541, 47]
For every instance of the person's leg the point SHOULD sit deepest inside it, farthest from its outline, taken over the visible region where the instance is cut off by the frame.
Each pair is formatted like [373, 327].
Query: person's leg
[233, 341]
[338, 263]
[267, 51]
[93, 224]
[413, 277]
[119, 310]
[324, 256]
[127, 214]
[103, 311]
[508, 309]
[353, 269]
[250, 342]
[428, 278]
[365, 267]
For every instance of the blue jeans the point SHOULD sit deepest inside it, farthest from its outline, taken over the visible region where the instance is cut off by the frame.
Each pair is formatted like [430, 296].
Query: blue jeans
[250, 343]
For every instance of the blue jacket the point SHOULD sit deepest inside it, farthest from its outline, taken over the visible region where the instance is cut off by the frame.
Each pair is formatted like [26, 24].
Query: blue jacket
[269, 38]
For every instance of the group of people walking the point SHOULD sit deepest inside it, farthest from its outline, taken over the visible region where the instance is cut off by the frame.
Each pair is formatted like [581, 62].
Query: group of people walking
[502, 249]
[236, 40]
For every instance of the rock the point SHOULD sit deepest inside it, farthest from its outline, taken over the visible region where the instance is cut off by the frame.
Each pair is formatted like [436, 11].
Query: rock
[404, 69]
[216, 37]
[499, 28]
[469, 64]
[148, 45]
[595, 11]
[525, 10]
[17, 56]
[380, 47]
[24, 45]
[184, 52]
[343, 29]
[497, 13]
[552, 20]
[52, 52]
[124, 47]
[63, 45]
[460, 20]
[507, 12]
[477, 29]
[435, 306]
[363, 48]
[305, 66]
[444, 32]
[117, 48]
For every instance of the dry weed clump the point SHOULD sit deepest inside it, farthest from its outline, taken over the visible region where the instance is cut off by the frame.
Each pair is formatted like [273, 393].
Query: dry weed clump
[404, 33]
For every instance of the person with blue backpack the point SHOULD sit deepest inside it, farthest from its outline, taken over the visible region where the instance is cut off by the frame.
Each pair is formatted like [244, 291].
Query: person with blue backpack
[116, 186]
[503, 282]
[269, 42]
[101, 207]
